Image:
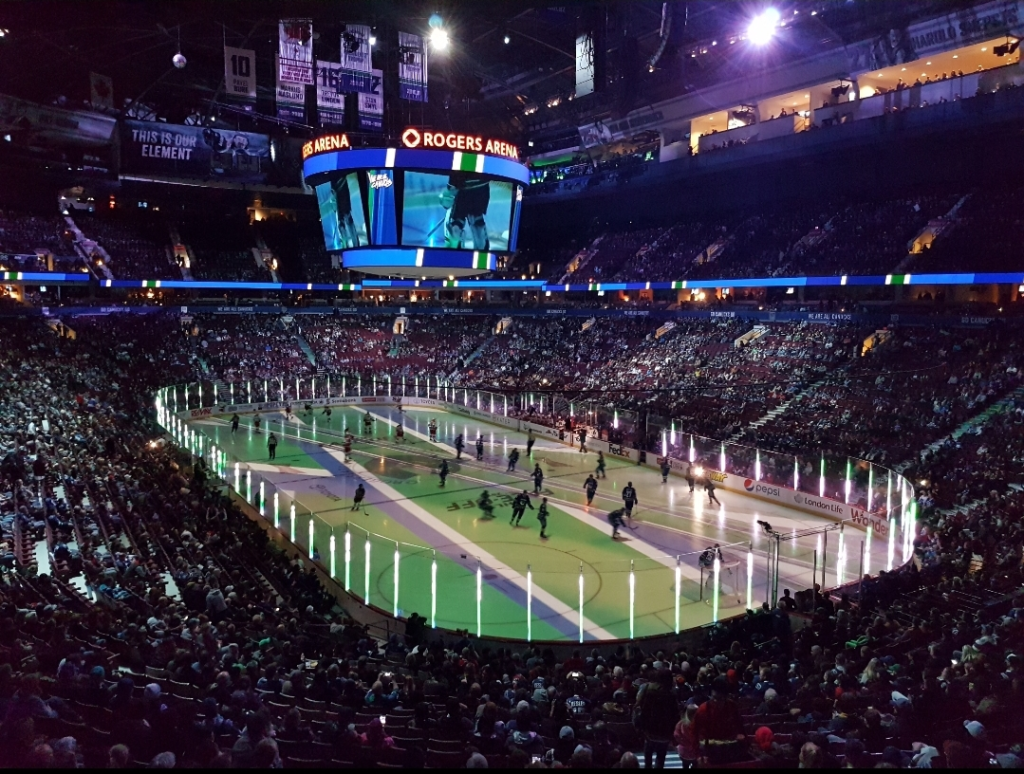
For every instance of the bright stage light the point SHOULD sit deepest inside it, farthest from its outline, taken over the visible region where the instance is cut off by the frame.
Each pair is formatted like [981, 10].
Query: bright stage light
[762, 27]
[439, 39]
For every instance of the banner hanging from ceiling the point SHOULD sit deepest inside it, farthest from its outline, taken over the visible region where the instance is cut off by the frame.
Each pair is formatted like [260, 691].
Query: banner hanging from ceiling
[330, 99]
[412, 67]
[356, 58]
[295, 51]
[291, 101]
[371, 105]
[101, 91]
[240, 73]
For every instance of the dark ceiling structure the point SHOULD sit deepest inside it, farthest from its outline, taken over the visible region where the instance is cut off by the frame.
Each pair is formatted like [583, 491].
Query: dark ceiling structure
[510, 69]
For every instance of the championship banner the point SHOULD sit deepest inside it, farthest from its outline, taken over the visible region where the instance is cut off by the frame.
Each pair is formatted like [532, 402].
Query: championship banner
[295, 51]
[240, 73]
[194, 152]
[101, 91]
[291, 101]
[355, 58]
[330, 99]
[371, 106]
[412, 67]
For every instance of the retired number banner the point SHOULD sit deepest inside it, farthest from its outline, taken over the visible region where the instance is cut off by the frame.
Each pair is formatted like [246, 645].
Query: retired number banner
[295, 51]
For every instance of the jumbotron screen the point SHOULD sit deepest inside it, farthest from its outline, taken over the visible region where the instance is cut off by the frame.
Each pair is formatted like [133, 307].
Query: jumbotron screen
[441, 205]
[455, 210]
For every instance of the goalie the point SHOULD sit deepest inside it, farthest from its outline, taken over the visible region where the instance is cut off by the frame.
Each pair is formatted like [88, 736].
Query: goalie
[466, 199]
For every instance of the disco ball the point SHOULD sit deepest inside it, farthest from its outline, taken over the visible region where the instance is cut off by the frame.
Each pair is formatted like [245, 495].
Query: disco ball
[178, 60]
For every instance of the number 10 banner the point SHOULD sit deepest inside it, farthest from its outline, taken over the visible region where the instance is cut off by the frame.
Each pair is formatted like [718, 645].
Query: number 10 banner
[240, 73]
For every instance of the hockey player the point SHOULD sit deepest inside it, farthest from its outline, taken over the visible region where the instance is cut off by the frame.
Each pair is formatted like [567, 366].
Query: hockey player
[486, 505]
[519, 506]
[459, 445]
[347, 446]
[709, 487]
[600, 465]
[479, 447]
[256, 421]
[327, 413]
[590, 487]
[529, 442]
[367, 423]
[513, 458]
[466, 198]
[443, 472]
[538, 479]
[542, 517]
[691, 479]
[234, 424]
[629, 499]
[616, 520]
[432, 430]
[666, 468]
[583, 440]
[357, 498]
[272, 446]
[399, 433]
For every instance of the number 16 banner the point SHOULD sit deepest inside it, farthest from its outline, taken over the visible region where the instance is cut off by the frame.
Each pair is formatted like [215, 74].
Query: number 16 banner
[240, 73]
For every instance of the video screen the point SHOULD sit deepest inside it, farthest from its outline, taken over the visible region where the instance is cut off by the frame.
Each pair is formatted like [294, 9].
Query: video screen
[341, 213]
[459, 211]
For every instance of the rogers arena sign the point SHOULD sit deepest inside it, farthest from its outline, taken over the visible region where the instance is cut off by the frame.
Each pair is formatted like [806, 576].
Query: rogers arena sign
[423, 138]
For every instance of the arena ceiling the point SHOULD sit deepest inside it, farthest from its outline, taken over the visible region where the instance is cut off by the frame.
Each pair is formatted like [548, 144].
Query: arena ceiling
[482, 83]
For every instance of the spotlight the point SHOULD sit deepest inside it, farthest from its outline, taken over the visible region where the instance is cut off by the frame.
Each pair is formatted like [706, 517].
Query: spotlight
[507, 40]
[439, 39]
[435, 21]
[373, 40]
[1004, 49]
[762, 27]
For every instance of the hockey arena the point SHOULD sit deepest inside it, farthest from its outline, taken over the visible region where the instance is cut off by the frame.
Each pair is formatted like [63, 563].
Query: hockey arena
[602, 385]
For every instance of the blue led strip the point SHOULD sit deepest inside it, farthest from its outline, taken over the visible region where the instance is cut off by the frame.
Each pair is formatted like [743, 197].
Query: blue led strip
[407, 257]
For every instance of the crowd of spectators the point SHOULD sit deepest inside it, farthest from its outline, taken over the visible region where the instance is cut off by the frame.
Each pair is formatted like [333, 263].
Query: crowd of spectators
[138, 249]
[159, 626]
[430, 346]
[239, 348]
[24, 233]
[983, 236]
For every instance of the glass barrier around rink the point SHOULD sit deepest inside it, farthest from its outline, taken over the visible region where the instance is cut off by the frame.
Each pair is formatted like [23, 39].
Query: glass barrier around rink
[831, 555]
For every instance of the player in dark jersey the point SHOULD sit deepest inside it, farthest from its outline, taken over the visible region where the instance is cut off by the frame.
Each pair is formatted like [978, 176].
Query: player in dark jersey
[590, 487]
[479, 447]
[615, 518]
[519, 506]
[443, 472]
[542, 517]
[600, 465]
[466, 198]
[486, 505]
[629, 499]
[538, 479]
[666, 468]
[513, 458]
[459, 446]
[234, 423]
[357, 498]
